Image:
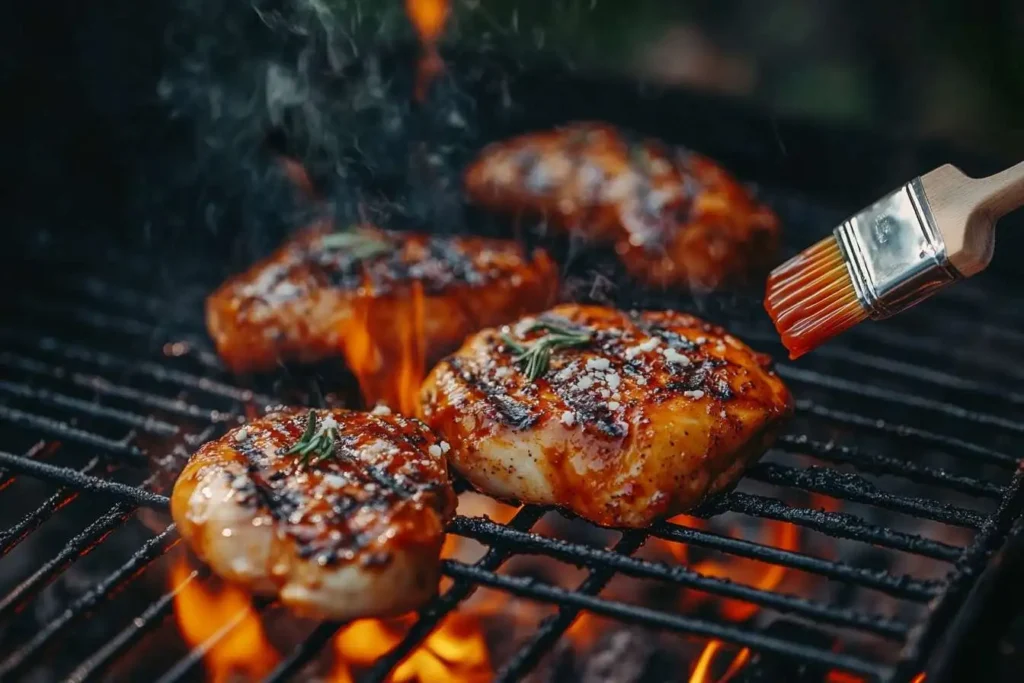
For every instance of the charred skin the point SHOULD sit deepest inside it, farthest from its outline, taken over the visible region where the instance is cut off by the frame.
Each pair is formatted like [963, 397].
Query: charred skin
[355, 534]
[674, 218]
[295, 304]
[658, 411]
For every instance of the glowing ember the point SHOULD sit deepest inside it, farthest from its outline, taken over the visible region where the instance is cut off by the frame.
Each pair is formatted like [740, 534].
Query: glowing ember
[385, 347]
[702, 670]
[428, 17]
[843, 677]
[226, 614]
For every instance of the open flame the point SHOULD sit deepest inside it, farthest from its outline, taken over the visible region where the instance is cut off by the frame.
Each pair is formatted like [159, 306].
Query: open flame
[225, 613]
[455, 651]
[702, 670]
[428, 17]
[742, 570]
[384, 345]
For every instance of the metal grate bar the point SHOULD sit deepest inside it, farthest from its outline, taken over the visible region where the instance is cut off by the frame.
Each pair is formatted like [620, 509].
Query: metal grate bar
[948, 444]
[429, 617]
[155, 371]
[942, 379]
[6, 478]
[106, 322]
[900, 398]
[919, 344]
[150, 617]
[437, 609]
[149, 551]
[881, 464]
[901, 586]
[309, 648]
[583, 555]
[552, 628]
[836, 524]
[65, 432]
[533, 589]
[84, 482]
[840, 525]
[855, 488]
[984, 544]
[101, 385]
[62, 312]
[784, 370]
[887, 365]
[76, 547]
[145, 423]
[12, 536]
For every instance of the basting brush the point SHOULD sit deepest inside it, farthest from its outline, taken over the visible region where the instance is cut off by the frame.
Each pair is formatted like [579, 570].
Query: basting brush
[935, 230]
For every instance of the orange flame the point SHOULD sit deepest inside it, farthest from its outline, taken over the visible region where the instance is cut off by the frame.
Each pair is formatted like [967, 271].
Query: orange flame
[203, 614]
[751, 572]
[385, 347]
[455, 651]
[428, 17]
[702, 669]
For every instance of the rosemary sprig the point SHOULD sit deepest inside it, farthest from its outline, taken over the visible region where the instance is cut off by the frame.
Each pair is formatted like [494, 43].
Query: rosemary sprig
[535, 355]
[360, 245]
[316, 443]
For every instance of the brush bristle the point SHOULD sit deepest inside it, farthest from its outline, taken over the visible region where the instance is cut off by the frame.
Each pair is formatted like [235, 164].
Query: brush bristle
[812, 299]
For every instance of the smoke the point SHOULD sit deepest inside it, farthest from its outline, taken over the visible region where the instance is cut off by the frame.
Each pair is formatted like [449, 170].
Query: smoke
[329, 84]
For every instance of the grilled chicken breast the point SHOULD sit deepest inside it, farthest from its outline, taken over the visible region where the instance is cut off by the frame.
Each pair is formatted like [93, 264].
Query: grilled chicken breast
[675, 218]
[622, 418]
[296, 304]
[350, 527]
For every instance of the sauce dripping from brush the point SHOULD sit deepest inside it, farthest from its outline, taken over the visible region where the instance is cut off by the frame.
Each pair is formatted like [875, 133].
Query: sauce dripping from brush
[811, 298]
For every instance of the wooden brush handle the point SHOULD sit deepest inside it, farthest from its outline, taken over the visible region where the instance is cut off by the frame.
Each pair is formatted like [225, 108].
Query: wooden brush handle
[965, 210]
[1001, 193]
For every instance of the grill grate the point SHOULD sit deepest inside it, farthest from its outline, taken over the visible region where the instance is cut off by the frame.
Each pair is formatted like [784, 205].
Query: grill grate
[115, 373]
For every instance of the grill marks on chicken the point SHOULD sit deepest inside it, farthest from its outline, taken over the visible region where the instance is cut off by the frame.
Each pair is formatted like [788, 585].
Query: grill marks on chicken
[674, 218]
[350, 528]
[656, 412]
[295, 304]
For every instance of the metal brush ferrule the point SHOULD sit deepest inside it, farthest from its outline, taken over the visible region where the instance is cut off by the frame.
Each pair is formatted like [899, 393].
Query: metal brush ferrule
[894, 253]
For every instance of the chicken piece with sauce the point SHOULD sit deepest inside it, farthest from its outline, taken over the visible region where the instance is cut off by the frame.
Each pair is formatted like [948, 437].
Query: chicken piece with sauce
[674, 217]
[339, 514]
[298, 303]
[623, 418]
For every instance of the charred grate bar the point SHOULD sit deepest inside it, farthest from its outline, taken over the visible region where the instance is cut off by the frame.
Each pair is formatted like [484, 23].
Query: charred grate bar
[55, 380]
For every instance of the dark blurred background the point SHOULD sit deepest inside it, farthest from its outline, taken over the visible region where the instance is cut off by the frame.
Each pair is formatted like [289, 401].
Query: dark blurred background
[80, 76]
[928, 68]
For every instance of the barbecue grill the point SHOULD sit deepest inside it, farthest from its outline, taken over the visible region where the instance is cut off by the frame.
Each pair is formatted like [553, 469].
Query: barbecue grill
[913, 426]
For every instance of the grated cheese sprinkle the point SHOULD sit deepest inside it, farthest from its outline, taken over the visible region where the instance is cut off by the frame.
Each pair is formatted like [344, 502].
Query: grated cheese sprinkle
[643, 347]
[568, 418]
[673, 356]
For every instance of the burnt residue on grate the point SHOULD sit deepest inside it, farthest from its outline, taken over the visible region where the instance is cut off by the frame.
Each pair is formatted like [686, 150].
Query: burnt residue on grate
[905, 428]
[143, 391]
